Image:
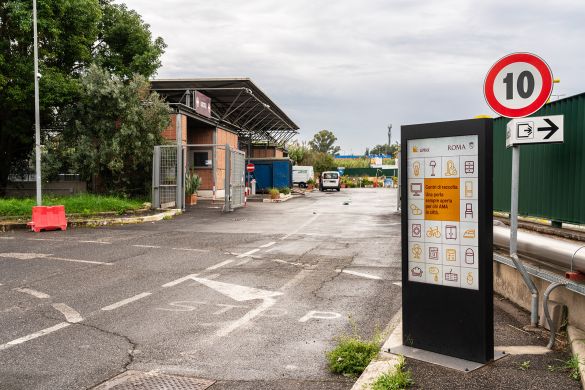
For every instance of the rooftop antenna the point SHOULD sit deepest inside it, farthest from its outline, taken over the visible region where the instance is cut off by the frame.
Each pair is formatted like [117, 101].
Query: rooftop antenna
[390, 134]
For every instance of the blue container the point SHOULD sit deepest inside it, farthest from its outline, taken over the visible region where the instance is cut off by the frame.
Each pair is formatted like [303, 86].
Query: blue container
[272, 173]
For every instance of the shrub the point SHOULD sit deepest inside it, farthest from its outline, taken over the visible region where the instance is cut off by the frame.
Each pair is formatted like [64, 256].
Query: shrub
[394, 379]
[284, 190]
[192, 184]
[311, 181]
[352, 355]
[274, 193]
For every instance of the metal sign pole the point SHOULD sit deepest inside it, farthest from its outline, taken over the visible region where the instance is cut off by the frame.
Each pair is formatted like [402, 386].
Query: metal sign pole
[514, 235]
[37, 110]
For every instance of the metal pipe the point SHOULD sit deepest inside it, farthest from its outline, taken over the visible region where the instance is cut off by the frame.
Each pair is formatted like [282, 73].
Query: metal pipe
[552, 327]
[515, 187]
[37, 109]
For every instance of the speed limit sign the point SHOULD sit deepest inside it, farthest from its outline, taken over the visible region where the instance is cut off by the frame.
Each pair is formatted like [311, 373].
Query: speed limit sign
[518, 85]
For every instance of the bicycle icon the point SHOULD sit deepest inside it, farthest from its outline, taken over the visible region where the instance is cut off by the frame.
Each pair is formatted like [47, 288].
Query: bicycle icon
[434, 231]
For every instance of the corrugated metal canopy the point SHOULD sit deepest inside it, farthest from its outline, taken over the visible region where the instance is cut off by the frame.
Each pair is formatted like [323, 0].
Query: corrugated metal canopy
[236, 103]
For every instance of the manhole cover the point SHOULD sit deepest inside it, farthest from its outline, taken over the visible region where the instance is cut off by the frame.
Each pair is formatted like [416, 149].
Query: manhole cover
[137, 380]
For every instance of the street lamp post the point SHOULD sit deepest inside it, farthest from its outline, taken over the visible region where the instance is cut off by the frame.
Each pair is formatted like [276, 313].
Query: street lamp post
[37, 109]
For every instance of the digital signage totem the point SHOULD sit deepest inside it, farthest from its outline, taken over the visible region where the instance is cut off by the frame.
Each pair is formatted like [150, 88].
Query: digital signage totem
[446, 196]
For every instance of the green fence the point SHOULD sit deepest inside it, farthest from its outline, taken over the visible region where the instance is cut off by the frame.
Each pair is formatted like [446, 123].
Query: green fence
[372, 172]
[552, 177]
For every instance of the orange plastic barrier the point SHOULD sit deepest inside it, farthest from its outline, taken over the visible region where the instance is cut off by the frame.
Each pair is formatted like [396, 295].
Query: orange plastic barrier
[48, 218]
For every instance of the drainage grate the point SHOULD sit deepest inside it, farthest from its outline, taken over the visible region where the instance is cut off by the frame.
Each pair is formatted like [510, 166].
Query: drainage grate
[137, 380]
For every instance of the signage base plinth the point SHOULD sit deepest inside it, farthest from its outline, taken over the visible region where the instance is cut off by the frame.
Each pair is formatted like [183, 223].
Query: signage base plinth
[441, 360]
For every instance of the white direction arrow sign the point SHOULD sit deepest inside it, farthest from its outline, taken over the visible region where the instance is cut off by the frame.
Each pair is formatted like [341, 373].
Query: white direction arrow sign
[535, 130]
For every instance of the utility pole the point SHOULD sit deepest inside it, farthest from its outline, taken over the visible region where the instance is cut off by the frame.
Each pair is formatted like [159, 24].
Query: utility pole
[37, 109]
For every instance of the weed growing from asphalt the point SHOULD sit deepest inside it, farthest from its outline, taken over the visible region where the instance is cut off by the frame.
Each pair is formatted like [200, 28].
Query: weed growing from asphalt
[352, 354]
[525, 365]
[397, 378]
[571, 366]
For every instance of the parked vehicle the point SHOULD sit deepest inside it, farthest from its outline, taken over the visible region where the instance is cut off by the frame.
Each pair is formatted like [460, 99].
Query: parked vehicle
[302, 174]
[330, 180]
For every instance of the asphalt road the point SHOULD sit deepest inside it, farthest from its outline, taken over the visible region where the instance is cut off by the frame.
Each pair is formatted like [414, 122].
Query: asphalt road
[251, 299]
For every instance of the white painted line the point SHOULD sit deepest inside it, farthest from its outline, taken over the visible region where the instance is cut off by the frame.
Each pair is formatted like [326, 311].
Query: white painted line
[34, 293]
[271, 249]
[146, 246]
[6, 238]
[268, 245]
[360, 274]
[399, 284]
[126, 301]
[45, 239]
[268, 302]
[180, 280]
[96, 242]
[78, 261]
[191, 249]
[310, 221]
[70, 314]
[248, 253]
[32, 336]
[219, 265]
[24, 256]
[286, 262]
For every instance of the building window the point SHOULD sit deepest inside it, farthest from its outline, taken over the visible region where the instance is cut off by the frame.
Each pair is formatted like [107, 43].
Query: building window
[202, 159]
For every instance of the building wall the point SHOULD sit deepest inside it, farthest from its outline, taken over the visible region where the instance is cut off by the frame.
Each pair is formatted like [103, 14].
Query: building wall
[263, 152]
[170, 132]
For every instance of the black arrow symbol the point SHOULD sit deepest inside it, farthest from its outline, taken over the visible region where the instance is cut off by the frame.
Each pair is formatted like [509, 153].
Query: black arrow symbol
[553, 128]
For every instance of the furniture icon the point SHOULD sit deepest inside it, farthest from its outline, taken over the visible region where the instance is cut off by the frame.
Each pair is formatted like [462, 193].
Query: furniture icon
[468, 189]
[469, 256]
[451, 232]
[468, 210]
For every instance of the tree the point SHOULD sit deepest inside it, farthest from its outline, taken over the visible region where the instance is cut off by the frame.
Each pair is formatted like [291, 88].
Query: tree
[324, 162]
[298, 152]
[72, 34]
[323, 142]
[111, 130]
[385, 149]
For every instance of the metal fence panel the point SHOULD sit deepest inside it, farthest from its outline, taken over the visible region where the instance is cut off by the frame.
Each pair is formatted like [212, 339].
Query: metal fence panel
[237, 178]
[166, 180]
[552, 177]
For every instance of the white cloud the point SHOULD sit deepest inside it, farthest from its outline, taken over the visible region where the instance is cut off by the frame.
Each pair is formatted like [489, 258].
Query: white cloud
[353, 67]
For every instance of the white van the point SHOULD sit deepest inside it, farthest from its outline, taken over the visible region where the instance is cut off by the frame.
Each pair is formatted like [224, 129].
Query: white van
[329, 180]
[301, 174]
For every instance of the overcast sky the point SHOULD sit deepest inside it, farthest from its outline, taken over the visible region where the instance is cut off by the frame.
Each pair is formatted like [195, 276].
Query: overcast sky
[354, 67]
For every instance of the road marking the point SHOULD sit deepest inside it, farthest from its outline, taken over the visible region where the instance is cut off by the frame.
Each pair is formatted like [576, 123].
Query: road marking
[70, 314]
[34, 293]
[191, 249]
[320, 315]
[45, 239]
[24, 256]
[268, 245]
[95, 242]
[237, 292]
[287, 262]
[248, 253]
[180, 280]
[295, 280]
[355, 273]
[249, 316]
[219, 265]
[78, 261]
[6, 238]
[146, 246]
[399, 284]
[126, 301]
[310, 221]
[35, 335]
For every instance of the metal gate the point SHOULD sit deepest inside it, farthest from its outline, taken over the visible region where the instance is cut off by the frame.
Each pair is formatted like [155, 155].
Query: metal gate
[235, 180]
[164, 180]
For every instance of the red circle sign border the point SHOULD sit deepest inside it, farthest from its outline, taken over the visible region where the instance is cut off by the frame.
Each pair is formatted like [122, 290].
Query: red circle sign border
[250, 168]
[547, 85]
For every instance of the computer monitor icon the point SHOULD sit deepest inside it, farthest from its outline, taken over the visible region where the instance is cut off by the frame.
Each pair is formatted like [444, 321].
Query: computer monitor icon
[416, 188]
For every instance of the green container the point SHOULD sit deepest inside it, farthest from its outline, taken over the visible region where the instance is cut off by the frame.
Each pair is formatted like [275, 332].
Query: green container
[552, 177]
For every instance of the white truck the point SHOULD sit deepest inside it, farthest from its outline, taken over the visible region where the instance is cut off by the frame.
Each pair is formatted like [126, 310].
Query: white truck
[301, 174]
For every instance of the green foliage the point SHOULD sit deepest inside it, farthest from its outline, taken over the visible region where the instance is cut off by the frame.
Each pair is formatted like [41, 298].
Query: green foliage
[525, 365]
[300, 153]
[386, 149]
[362, 162]
[284, 190]
[274, 192]
[397, 378]
[311, 181]
[323, 141]
[76, 204]
[72, 35]
[192, 183]
[572, 366]
[111, 132]
[324, 162]
[352, 355]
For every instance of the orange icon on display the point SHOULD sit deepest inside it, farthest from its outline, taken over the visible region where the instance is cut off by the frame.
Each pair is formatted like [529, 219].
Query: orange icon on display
[469, 233]
[416, 251]
[433, 231]
[451, 255]
[435, 272]
[451, 170]
[416, 168]
[415, 209]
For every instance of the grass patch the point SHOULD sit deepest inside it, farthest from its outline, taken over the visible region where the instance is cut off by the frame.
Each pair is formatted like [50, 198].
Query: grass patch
[571, 366]
[397, 378]
[75, 204]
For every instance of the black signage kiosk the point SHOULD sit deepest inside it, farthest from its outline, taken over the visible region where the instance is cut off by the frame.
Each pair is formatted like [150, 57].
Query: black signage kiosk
[446, 198]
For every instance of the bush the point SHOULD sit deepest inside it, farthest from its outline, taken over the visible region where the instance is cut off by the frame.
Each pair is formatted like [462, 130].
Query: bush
[284, 190]
[395, 379]
[274, 192]
[311, 181]
[352, 355]
[192, 184]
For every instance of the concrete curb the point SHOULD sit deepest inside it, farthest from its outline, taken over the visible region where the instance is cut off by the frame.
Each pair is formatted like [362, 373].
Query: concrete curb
[91, 222]
[384, 361]
[280, 200]
[577, 341]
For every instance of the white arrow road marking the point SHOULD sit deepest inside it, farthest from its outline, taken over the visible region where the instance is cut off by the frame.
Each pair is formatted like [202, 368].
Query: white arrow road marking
[70, 314]
[241, 294]
[126, 301]
[35, 335]
[355, 273]
[34, 293]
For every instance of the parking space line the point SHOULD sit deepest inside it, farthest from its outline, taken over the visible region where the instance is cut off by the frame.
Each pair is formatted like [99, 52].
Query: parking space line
[35, 335]
[191, 249]
[360, 274]
[6, 238]
[310, 221]
[95, 242]
[45, 239]
[267, 245]
[248, 253]
[34, 293]
[146, 246]
[126, 301]
[71, 315]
